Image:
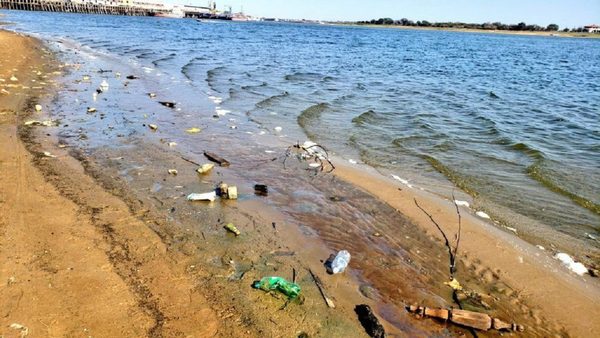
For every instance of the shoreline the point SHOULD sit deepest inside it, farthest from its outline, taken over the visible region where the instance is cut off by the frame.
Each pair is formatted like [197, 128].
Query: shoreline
[385, 191]
[557, 34]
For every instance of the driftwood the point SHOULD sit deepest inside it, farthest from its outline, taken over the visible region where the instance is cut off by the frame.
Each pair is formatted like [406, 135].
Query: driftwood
[470, 319]
[319, 285]
[217, 159]
[369, 321]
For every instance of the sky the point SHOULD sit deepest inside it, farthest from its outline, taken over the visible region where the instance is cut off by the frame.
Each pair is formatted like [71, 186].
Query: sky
[565, 13]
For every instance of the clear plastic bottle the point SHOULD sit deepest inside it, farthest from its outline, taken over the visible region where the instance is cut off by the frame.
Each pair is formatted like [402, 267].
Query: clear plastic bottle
[340, 262]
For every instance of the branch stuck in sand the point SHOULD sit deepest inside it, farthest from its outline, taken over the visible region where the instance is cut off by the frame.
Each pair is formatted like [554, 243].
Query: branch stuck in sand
[451, 251]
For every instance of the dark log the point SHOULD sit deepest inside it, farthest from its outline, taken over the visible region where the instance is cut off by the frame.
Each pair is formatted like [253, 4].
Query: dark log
[216, 158]
[369, 321]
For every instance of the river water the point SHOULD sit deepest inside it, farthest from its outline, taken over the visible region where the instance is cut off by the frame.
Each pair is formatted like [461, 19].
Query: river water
[514, 121]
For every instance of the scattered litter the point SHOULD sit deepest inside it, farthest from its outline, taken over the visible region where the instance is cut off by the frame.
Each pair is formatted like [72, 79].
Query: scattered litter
[270, 151]
[369, 321]
[590, 236]
[511, 229]
[46, 123]
[14, 78]
[117, 74]
[338, 263]
[319, 285]
[153, 127]
[483, 215]
[570, 263]
[291, 290]
[86, 78]
[172, 144]
[205, 168]
[261, 189]
[209, 196]
[38, 108]
[167, 104]
[173, 171]
[216, 158]
[132, 77]
[352, 161]
[232, 193]
[193, 130]
[475, 320]
[454, 284]
[24, 329]
[91, 110]
[540, 247]
[462, 203]
[226, 192]
[222, 112]
[232, 127]
[278, 129]
[230, 227]
[314, 165]
[104, 85]
[48, 154]
[4, 91]
[152, 95]
[309, 150]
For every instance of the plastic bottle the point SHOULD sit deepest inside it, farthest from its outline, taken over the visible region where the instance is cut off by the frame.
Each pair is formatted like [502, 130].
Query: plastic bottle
[291, 290]
[340, 262]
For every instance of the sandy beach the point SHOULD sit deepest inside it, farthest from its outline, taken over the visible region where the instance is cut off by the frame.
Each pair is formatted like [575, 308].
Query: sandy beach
[82, 254]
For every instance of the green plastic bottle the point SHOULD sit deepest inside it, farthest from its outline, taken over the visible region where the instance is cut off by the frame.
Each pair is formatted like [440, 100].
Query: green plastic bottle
[291, 290]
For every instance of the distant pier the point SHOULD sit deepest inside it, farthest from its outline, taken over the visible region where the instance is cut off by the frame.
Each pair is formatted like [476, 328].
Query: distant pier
[78, 7]
[112, 7]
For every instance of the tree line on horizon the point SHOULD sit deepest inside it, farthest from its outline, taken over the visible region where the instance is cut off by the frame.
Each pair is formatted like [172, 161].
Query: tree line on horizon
[522, 26]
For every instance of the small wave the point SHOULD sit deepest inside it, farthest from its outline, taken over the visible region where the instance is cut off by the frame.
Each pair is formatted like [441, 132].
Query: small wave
[529, 151]
[451, 175]
[365, 118]
[186, 69]
[303, 77]
[311, 114]
[268, 102]
[542, 176]
[163, 59]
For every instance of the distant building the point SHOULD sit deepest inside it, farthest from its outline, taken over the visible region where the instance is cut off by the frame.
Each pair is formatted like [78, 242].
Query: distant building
[592, 29]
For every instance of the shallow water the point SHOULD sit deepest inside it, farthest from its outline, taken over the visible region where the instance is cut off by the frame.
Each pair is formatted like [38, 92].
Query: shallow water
[512, 120]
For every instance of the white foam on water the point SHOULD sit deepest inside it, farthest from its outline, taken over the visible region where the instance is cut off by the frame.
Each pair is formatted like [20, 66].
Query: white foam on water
[570, 263]
[483, 215]
[462, 203]
[222, 112]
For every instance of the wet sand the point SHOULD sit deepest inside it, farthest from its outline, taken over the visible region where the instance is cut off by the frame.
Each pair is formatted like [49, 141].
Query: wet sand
[172, 270]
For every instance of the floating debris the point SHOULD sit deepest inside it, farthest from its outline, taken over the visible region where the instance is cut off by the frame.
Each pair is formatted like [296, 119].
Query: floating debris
[230, 227]
[172, 144]
[132, 77]
[91, 110]
[205, 168]
[278, 129]
[261, 189]
[216, 158]
[104, 85]
[173, 171]
[193, 130]
[167, 104]
[152, 95]
[209, 196]
[154, 127]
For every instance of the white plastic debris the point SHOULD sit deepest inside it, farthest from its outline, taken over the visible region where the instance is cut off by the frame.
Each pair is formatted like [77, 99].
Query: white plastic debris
[570, 263]
[209, 196]
[104, 85]
[49, 154]
[462, 203]
[14, 78]
[352, 161]
[540, 247]
[173, 171]
[482, 214]
[278, 129]
[222, 112]
[172, 144]
[38, 108]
